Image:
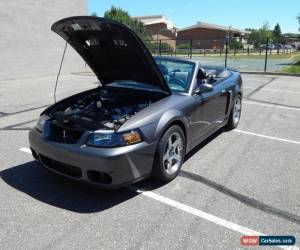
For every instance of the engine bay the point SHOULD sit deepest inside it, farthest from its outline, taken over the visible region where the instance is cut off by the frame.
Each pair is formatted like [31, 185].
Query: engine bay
[99, 109]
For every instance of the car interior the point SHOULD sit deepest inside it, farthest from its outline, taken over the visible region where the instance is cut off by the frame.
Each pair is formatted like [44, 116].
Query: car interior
[178, 78]
[213, 75]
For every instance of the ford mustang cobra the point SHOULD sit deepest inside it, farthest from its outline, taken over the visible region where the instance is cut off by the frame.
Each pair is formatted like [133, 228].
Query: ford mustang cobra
[145, 116]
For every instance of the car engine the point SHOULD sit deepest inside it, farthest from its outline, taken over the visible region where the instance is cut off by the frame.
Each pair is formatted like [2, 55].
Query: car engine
[97, 111]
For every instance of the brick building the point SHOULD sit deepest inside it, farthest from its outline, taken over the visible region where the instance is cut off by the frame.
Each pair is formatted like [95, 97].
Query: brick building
[209, 36]
[160, 28]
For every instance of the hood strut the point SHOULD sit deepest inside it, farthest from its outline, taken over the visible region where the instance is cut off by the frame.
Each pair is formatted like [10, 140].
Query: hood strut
[62, 59]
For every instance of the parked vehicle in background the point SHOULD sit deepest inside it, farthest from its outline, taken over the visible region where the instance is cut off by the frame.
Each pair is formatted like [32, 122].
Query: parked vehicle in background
[269, 46]
[287, 46]
[279, 46]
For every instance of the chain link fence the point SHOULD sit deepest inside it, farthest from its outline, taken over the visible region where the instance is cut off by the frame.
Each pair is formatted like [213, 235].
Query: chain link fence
[244, 55]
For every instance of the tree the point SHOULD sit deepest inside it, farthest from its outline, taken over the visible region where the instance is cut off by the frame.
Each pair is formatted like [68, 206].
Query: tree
[260, 36]
[277, 33]
[122, 16]
[165, 47]
[298, 17]
[94, 14]
[235, 44]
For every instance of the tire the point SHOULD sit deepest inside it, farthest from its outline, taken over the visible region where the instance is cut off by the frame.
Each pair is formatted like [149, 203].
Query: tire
[169, 155]
[235, 113]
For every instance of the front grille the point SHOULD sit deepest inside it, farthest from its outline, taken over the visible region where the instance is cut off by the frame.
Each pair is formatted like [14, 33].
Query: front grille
[63, 134]
[63, 168]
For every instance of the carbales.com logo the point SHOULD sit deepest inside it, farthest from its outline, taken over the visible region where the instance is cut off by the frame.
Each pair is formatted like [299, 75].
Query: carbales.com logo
[268, 240]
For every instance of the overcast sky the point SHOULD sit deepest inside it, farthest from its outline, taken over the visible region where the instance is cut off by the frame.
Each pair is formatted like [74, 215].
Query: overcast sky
[235, 13]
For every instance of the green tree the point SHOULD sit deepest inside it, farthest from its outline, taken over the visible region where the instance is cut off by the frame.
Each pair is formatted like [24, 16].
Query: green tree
[260, 36]
[122, 16]
[165, 47]
[94, 14]
[298, 17]
[235, 44]
[277, 35]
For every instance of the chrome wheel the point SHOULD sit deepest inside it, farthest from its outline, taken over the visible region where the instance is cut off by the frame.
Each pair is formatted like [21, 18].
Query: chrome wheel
[237, 110]
[173, 153]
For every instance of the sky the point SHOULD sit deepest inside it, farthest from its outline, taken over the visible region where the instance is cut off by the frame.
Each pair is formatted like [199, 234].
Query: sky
[235, 13]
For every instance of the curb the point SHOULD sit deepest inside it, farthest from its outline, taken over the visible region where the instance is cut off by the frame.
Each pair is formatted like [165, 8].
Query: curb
[268, 73]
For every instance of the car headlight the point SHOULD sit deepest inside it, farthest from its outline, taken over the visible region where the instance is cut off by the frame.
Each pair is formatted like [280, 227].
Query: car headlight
[110, 139]
[41, 123]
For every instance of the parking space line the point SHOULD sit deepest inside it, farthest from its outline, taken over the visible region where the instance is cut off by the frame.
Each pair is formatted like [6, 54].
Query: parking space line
[196, 212]
[275, 90]
[199, 213]
[266, 136]
[204, 215]
[270, 105]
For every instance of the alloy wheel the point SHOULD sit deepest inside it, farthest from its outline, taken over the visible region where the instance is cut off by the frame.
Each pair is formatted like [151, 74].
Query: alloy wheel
[237, 110]
[173, 155]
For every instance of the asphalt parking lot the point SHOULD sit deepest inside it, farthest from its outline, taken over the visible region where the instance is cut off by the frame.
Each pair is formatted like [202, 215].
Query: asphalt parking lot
[242, 182]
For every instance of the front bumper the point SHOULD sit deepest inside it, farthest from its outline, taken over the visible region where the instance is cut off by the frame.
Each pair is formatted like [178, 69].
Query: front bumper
[105, 167]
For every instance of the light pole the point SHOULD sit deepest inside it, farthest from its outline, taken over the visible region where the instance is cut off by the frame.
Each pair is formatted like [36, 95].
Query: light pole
[227, 44]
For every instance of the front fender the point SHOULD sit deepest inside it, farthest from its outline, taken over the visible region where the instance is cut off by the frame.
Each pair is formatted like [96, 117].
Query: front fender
[167, 119]
[153, 132]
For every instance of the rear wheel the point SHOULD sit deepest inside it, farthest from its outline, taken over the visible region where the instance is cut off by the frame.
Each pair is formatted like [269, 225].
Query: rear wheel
[235, 113]
[169, 154]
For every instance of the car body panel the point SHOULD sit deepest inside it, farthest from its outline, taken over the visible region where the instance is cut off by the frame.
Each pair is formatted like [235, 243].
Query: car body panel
[125, 165]
[112, 50]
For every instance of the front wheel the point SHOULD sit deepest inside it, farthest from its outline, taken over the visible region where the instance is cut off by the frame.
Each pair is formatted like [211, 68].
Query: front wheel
[169, 155]
[235, 113]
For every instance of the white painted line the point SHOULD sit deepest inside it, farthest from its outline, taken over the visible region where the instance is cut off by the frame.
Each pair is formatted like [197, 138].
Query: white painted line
[26, 150]
[199, 213]
[206, 216]
[275, 90]
[266, 136]
[270, 105]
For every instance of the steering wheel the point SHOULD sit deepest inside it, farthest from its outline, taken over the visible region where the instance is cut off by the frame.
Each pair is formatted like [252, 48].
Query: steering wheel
[176, 81]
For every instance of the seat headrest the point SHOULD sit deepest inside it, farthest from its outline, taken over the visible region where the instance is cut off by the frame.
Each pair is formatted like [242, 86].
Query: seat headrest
[181, 76]
[163, 69]
[201, 74]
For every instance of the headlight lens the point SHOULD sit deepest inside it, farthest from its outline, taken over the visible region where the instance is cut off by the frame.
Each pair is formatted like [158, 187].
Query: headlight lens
[41, 123]
[110, 139]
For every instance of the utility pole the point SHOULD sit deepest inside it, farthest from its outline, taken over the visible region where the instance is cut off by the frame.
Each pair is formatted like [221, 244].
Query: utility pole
[266, 56]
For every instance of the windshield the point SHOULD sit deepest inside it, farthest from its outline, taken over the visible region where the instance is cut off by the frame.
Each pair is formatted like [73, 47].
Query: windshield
[178, 74]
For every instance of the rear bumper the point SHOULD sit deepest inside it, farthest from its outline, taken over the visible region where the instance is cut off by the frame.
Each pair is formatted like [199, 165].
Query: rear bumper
[104, 167]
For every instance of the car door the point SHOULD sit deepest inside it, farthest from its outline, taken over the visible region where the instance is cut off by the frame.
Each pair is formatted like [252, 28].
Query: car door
[209, 110]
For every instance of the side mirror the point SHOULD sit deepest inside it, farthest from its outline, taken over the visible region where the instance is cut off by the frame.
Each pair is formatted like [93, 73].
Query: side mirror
[203, 88]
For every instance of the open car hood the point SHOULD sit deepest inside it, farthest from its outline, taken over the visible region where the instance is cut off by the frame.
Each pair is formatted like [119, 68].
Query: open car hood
[112, 50]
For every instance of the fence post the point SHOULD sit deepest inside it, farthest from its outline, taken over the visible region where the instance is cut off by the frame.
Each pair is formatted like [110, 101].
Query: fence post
[175, 47]
[159, 47]
[191, 48]
[226, 51]
[266, 56]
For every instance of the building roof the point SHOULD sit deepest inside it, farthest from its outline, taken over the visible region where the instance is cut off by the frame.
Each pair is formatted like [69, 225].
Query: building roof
[214, 27]
[155, 19]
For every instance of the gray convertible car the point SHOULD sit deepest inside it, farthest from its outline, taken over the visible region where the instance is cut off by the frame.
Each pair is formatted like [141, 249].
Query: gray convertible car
[145, 116]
